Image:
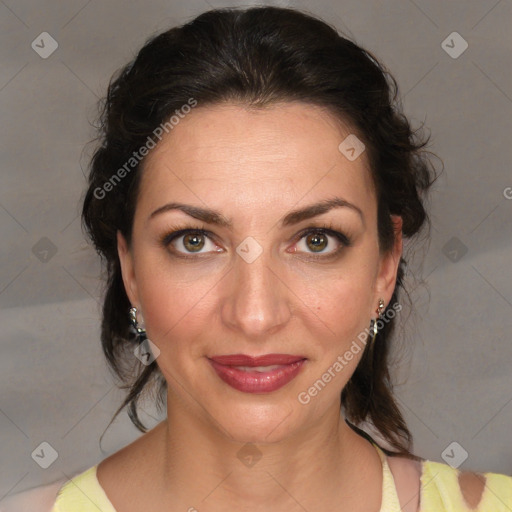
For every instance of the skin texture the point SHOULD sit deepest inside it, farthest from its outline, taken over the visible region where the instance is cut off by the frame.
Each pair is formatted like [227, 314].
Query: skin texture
[253, 167]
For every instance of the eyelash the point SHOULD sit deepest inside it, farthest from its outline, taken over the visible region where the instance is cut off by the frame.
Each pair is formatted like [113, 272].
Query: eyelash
[177, 232]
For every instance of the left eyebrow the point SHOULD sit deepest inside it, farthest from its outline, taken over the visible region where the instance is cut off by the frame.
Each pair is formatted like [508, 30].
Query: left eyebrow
[313, 210]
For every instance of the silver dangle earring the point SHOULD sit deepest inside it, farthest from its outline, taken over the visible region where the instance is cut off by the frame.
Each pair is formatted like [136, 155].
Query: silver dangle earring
[139, 329]
[373, 323]
[146, 352]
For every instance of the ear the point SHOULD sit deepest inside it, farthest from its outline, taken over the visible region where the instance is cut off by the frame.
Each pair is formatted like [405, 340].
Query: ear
[127, 269]
[388, 268]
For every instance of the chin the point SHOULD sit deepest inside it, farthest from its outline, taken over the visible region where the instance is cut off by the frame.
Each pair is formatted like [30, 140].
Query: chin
[257, 423]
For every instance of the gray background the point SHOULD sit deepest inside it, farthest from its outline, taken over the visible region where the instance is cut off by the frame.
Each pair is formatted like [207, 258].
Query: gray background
[455, 378]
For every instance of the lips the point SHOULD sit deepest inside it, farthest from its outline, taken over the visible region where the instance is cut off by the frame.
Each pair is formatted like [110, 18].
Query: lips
[261, 374]
[266, 360]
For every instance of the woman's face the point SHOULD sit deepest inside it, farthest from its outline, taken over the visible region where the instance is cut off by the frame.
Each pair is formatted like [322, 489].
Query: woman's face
[281, 257]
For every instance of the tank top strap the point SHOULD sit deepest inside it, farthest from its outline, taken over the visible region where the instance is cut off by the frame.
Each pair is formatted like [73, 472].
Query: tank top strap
[390, 501]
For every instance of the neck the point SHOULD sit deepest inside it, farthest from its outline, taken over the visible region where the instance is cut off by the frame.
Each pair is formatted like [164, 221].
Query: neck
[202, 468]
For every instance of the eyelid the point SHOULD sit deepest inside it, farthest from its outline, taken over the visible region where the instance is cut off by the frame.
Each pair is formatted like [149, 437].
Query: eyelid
[343, 240]
[328, 230]
[174, 233]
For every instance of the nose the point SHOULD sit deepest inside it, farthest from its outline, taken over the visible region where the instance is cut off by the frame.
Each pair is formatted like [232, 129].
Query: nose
[257, 300]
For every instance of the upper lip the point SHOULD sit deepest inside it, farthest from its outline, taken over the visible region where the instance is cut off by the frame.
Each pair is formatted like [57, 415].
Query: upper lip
[252, 361]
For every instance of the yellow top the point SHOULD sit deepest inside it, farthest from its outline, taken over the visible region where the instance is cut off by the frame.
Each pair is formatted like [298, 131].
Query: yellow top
[439, 491]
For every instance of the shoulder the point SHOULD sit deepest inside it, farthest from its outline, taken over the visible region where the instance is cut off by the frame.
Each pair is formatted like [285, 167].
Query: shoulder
[428, 486]
[443, 486]
[82, 493]
[39, 499]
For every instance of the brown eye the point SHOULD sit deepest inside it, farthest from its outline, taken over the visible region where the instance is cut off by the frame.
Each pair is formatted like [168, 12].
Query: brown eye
[325, 242]
[193, 242]
[317, 242]
[189, 241]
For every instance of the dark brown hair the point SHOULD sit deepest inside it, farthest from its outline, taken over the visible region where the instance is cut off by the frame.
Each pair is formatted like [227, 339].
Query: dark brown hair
[256, 57]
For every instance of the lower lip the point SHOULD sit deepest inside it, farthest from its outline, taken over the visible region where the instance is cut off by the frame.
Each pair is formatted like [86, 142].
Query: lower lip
[257, 382]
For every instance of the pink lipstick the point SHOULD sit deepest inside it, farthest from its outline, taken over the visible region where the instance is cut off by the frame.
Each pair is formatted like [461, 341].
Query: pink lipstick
[261, 374]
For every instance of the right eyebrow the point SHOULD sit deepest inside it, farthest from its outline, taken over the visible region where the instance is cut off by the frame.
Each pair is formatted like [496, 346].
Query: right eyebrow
[205, 214]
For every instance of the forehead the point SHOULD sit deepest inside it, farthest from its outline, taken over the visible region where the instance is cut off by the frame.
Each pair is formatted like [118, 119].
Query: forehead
[288, 148]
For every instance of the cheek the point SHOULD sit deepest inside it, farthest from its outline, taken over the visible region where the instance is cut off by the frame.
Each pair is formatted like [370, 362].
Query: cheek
[341, 297]
[344, 309]
[177, 309]
[339, 308]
